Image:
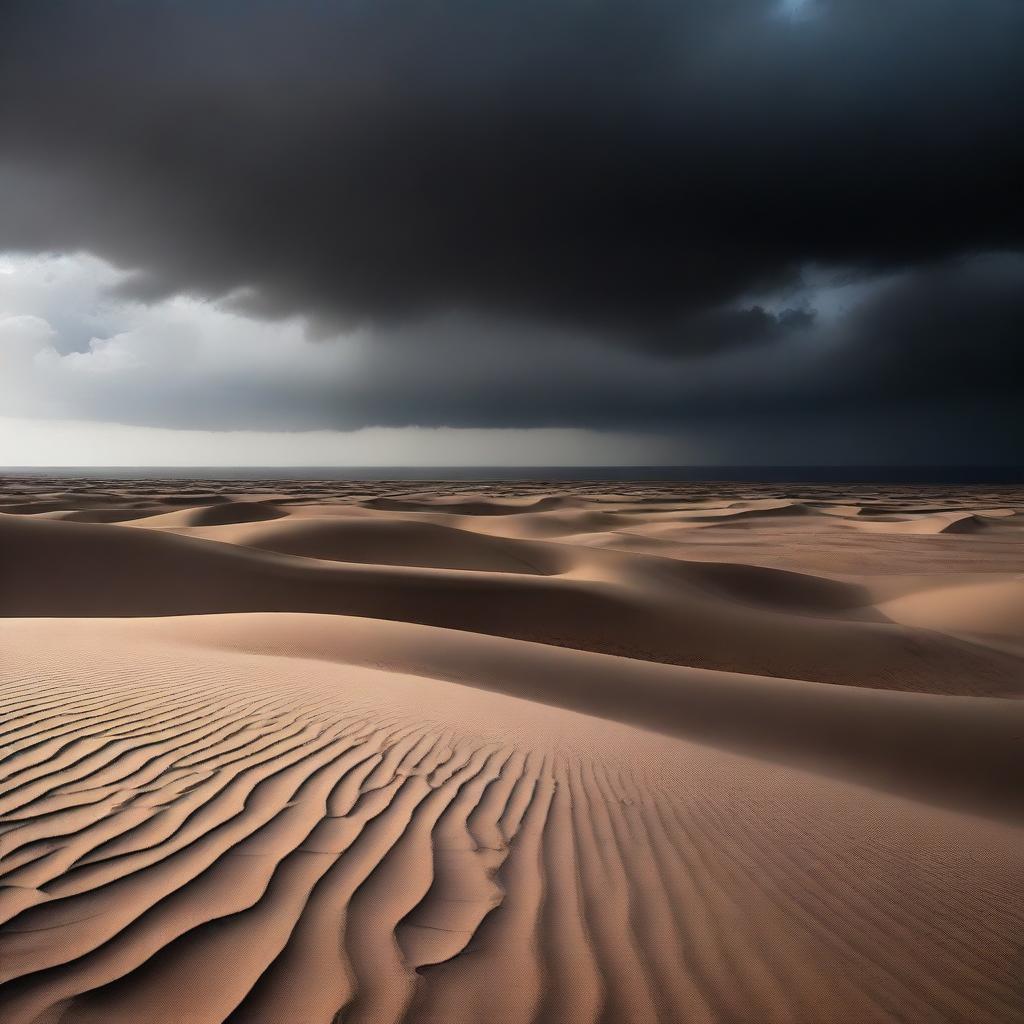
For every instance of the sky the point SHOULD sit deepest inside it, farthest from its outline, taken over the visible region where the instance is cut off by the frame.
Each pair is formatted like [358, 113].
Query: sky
[569, 232]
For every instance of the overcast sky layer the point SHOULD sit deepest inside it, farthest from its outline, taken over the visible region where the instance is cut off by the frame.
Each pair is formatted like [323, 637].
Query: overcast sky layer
[744, 231]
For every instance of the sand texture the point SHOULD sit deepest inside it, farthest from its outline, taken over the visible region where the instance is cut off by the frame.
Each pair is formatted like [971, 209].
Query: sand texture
[304, 753]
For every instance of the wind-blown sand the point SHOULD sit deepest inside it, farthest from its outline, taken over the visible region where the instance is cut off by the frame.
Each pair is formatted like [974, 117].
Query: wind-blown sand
[292, 753]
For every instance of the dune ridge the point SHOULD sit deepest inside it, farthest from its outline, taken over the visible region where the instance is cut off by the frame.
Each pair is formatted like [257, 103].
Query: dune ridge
[321, 751]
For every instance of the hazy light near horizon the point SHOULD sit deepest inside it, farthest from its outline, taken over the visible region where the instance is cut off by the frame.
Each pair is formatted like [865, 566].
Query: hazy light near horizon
[32, 443]
[91, 377]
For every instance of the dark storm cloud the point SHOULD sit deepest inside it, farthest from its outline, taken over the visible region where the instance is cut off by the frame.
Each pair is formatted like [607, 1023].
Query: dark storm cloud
[604, 188]
[613, 166]
[954, 330]
[717, 330]
[946, 337]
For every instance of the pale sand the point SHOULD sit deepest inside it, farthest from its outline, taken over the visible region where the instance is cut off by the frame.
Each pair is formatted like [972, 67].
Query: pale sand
[297, 753]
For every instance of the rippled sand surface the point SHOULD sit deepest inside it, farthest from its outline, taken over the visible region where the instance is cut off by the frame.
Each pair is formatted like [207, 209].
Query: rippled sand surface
[307, 752]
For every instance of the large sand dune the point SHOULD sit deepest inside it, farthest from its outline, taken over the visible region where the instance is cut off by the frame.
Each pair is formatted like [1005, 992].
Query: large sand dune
[317, 752]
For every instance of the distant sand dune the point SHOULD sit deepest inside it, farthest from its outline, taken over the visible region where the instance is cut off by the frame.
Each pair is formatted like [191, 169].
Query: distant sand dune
[395, 542]
[222, 513]
[298, 754]
[646, 608]
[469, 506]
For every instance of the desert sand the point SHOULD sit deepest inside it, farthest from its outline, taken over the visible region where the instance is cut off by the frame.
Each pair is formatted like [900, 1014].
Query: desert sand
[297, 753]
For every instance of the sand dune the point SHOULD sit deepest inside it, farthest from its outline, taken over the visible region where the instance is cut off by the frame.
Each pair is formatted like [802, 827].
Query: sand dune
[972, 606]
[930, 523]
[791, 625]
[315, 752]
[219, 514]
[468, 506]
[393, 542]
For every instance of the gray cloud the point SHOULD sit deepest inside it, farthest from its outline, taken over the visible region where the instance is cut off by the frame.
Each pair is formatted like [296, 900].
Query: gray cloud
[537, 213]
[611, 165]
